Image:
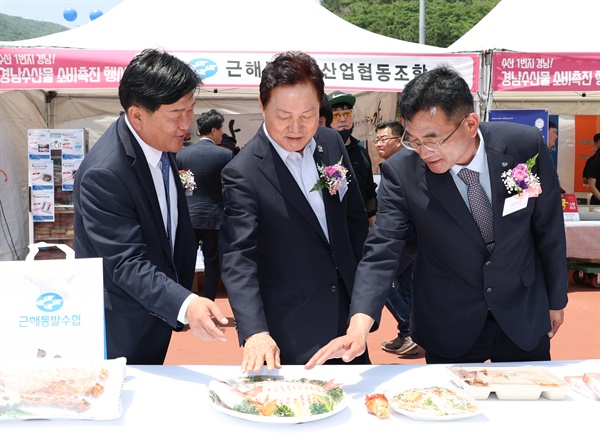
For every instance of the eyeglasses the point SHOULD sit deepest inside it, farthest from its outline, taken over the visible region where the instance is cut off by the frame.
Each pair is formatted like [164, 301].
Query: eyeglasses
[431, 146]
[383, 140]
[348, 113]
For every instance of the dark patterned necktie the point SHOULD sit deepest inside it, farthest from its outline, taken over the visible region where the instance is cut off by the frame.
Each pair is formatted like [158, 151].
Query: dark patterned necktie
[164, 168]
[481, 209]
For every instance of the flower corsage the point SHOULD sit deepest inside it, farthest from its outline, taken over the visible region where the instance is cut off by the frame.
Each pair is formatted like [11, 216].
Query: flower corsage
[187, 180]
[520, 179]
[331, 177]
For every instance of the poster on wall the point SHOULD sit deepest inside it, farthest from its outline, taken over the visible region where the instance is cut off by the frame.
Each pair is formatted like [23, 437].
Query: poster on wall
[586, 126]
[538, 118]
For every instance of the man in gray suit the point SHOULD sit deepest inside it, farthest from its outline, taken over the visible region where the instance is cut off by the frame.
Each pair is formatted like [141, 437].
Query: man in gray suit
[206, 159]
[476, 297]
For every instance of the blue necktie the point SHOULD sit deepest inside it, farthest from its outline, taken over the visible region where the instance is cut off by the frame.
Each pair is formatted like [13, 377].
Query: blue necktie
[165, 168]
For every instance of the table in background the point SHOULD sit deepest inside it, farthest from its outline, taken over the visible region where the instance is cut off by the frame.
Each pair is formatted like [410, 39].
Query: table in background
[170, 403]
[583, 240]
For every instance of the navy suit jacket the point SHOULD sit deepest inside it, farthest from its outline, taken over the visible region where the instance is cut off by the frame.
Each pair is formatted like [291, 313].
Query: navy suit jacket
[206, 160]
[455, 282]
[118, 218]
[281, 273]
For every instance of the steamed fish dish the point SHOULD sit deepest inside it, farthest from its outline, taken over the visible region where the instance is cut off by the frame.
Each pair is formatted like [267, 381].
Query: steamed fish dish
[273, 396]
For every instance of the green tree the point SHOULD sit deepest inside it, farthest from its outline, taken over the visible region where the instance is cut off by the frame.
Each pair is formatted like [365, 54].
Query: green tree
[17, 28]
[445, 20]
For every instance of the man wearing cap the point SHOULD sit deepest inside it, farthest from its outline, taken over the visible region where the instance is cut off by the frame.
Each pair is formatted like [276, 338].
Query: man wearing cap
[342, 105]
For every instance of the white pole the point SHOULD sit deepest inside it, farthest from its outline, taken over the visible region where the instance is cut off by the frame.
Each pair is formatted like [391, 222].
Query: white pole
[422, 22]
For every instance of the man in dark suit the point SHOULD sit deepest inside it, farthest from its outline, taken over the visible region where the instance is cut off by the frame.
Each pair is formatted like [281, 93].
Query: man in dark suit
[289, 253]
[501, 298]
[136, 218]
[206, 159]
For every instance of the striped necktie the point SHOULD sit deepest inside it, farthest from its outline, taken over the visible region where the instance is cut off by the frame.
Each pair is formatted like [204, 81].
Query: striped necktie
[481, 209]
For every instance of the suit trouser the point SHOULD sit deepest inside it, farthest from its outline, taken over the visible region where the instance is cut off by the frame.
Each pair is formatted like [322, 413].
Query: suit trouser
[209, 243]
[399, 299]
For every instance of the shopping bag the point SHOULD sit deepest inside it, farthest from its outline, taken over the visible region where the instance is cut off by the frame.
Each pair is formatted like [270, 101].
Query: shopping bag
[51, 308]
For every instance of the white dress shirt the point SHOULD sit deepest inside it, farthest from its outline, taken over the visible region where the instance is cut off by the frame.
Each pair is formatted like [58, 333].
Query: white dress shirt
[153, 158]
[479, 164]
[305, 173]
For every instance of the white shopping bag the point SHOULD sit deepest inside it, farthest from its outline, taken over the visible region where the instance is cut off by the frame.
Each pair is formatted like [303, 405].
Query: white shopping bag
[51, 308]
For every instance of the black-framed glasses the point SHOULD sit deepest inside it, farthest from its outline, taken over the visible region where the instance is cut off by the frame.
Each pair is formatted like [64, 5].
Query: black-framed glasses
[430, 146]
[376, 141]
[346, 113]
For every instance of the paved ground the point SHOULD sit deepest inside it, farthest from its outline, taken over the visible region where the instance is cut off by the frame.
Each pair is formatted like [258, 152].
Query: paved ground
[578, 338]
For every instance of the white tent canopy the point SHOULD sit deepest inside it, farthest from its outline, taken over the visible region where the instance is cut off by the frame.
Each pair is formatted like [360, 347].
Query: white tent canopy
[225, 25]
[535, 26]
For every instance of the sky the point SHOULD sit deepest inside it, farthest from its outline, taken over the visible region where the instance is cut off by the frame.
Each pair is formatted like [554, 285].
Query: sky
[53, 10]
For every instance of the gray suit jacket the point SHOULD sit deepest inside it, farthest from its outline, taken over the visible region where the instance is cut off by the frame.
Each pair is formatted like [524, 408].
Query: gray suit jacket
[455, 282]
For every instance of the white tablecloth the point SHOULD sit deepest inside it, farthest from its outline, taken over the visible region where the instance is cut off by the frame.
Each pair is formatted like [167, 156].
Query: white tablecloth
[583, 240]
[170, 403]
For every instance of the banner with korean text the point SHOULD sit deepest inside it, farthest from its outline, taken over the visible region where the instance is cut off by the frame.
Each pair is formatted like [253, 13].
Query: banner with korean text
[49, 69]
[525, 71]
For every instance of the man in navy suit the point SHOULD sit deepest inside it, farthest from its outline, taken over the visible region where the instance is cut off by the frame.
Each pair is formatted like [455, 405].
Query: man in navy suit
[206, 159]
[499, 299]
[137, 219]
[288, 252]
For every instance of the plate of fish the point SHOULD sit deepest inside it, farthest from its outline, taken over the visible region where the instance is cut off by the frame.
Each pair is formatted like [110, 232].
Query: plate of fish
[277, 399]
[433, 403]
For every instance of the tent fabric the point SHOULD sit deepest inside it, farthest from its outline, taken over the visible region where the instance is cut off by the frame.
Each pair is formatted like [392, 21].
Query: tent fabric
[535, 26]
[265, 25]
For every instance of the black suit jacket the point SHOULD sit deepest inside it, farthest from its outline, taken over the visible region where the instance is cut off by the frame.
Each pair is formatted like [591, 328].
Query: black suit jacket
[455, 282]
[118, 218]
[206, 160]
[281, 273]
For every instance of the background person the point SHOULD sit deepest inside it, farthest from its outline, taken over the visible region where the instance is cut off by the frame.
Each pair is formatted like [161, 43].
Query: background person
[500, 299]
[123, 211]
[289, 254]
[325, 113]
[206, 159]
[591, 172]
[342, 105]
[552, 138]
[388, 142]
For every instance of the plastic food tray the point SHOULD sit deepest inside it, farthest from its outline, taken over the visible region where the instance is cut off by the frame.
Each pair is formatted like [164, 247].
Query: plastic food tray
[509, 383]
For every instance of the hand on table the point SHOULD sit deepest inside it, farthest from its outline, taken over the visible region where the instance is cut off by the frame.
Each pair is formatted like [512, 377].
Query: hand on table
[203, 315]
[347, 347]
[259, 349]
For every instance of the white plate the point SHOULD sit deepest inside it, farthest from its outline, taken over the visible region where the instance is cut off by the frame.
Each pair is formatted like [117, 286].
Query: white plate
[282, 420]
[272, 419]
[20, 380]
[450, 405]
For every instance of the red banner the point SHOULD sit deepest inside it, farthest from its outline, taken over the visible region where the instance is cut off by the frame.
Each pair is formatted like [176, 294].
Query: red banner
[26, 68]
[522, 71]
[37, 68]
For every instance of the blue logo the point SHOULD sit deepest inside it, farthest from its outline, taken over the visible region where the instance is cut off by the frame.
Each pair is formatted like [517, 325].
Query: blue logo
[204, 67]
[49, 302]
